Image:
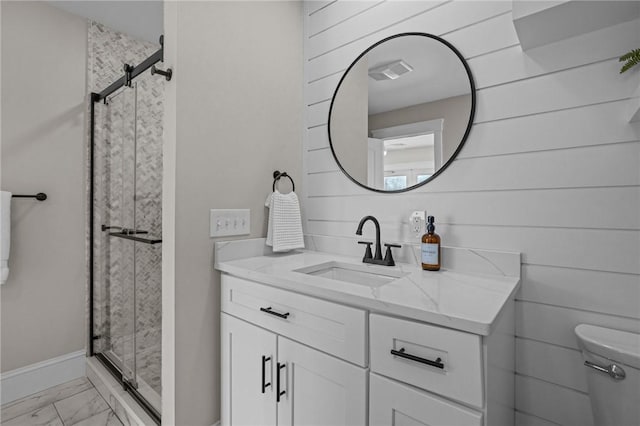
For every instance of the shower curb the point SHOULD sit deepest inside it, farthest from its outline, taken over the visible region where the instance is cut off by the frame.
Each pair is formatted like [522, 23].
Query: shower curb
[125, 407]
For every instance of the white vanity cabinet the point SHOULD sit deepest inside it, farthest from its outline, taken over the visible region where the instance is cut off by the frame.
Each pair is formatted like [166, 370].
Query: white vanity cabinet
[321, 389]
[393, 403]
[249, 352]
[270, 379]
[423, 374]
[295, 359]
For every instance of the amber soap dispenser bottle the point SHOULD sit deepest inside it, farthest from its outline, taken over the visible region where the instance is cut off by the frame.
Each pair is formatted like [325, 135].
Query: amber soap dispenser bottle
[431, 247]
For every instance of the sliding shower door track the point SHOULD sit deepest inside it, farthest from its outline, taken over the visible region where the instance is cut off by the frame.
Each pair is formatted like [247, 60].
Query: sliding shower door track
[117, 373]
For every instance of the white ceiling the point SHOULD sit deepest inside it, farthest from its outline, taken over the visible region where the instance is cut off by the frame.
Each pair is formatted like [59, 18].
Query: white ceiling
[437, 74]
[410, 142]
[140, 19]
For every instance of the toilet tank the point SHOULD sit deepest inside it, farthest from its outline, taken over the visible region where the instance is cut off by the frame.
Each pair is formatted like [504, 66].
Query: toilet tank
[612, 366]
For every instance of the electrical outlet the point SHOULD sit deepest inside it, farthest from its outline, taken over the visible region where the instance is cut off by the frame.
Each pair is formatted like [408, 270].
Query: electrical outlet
[226, 222]
[417, 222]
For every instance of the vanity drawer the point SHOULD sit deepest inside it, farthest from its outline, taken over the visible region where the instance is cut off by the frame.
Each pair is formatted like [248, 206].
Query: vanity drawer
[335, 329]
[417, 347]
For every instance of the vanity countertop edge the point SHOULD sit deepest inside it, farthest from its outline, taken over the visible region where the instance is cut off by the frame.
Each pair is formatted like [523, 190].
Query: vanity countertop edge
[460, 301]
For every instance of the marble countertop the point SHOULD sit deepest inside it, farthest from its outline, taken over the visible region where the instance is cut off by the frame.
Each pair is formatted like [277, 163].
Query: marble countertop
[458, 300]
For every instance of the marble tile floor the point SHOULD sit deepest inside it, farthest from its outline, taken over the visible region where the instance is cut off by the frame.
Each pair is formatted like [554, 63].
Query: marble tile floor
[73, 403]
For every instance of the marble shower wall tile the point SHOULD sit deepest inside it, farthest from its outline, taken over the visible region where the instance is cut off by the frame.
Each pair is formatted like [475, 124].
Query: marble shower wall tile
[148, 354]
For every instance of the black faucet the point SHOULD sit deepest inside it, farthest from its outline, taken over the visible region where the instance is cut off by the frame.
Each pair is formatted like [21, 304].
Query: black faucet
[377, 257]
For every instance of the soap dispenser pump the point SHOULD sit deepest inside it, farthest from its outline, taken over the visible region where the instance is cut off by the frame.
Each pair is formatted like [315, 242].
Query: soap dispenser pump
[430, 247]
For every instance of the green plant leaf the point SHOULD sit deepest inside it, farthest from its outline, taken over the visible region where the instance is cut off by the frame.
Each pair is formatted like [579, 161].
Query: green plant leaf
[628, 55]
[632, 59]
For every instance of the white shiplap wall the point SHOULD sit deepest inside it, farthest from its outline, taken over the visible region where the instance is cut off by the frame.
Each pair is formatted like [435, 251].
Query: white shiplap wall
[551, 169]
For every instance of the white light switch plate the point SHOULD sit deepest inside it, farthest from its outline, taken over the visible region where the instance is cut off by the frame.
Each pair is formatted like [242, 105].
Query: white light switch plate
[226, 222]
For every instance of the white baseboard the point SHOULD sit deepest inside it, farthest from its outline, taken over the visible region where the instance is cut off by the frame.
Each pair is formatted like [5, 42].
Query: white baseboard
[33, 378]
[216, 423]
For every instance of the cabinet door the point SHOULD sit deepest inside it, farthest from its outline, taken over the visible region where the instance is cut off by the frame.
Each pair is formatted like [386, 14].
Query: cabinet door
[248, 361]
[318, 388]
[392, 403]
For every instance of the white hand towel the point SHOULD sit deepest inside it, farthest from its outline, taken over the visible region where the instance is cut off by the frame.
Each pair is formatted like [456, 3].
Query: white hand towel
[284, 231]
[5, 234]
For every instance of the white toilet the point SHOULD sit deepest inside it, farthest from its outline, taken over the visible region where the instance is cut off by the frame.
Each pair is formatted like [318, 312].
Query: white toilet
[612, 365]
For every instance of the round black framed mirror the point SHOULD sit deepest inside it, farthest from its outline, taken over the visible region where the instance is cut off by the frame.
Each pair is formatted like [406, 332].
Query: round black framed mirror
[401, 112]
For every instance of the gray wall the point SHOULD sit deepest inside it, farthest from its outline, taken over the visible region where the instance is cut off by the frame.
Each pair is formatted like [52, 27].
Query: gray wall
[43, 112]
[238, 90]
[349, 124]
[550, 170]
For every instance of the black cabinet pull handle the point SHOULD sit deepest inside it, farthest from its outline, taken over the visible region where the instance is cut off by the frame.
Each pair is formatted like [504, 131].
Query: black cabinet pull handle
[264, 362]
[279, 393]
[278, 314]
[402, 354]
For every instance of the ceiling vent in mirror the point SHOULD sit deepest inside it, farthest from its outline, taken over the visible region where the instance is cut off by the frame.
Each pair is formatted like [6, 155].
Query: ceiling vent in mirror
[390, 71]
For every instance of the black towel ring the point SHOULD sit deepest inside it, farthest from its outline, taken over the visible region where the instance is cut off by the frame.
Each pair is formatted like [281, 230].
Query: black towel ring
[276, 177]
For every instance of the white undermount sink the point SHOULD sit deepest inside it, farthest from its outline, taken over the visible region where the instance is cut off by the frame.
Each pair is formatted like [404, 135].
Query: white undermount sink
[368, 275]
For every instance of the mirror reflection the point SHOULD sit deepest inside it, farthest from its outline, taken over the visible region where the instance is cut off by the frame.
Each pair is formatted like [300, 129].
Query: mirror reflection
[401, 112]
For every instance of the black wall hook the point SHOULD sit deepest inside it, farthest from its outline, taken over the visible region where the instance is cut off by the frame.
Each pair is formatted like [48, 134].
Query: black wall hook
[167, 74]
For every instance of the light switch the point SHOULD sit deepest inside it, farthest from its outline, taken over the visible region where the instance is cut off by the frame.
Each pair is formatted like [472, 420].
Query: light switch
[227, 222]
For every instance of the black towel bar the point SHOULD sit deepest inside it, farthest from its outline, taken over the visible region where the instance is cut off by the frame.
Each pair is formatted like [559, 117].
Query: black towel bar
[40, 196]
[134, 238]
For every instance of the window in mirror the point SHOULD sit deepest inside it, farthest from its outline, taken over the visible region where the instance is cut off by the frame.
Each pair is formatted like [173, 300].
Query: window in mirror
[393, 183]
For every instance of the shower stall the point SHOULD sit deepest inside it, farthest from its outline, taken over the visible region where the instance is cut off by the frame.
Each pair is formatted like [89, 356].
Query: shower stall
[125, 230]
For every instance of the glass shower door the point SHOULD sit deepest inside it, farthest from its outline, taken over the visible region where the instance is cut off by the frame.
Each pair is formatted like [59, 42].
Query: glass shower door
[127, 253]
[127, 227]
[148, 254]
[114, 214]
